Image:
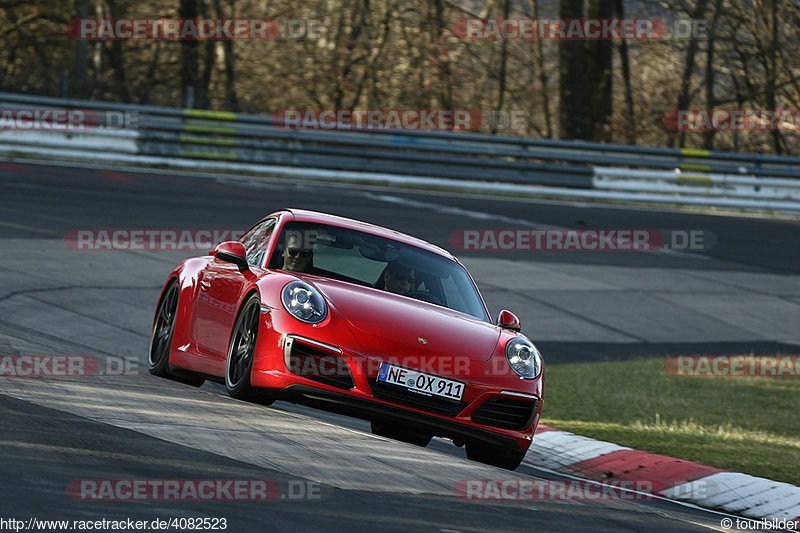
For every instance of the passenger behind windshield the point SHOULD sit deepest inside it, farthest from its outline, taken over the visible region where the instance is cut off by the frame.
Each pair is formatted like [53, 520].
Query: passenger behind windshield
[397, 278]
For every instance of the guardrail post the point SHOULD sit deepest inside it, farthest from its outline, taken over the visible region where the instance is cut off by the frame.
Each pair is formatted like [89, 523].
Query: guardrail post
[188, 97]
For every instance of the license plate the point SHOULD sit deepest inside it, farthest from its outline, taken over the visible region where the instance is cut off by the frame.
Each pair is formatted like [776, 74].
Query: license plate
[420, 382]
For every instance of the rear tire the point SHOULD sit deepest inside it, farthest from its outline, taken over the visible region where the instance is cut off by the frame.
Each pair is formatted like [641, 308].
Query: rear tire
[241, 351]
[161, 339]
[495, 455]
[401, 432]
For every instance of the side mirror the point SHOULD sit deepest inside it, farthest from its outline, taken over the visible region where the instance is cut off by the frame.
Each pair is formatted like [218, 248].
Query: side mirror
[232, 252]
[507, 319]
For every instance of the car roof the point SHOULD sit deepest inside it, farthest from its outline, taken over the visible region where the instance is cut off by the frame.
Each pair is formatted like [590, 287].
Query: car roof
[304, 215]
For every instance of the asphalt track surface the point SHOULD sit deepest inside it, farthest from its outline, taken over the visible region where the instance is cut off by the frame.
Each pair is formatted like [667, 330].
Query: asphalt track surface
[135, 426]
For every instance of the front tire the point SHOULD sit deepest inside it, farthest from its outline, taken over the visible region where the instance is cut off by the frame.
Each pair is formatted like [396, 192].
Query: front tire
[495, 455]
[161, 339]
[241, 351]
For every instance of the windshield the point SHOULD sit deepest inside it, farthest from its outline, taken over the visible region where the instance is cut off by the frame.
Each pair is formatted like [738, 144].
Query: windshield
[377, 262]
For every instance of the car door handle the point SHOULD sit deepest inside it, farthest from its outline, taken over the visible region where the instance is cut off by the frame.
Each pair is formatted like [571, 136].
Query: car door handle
[205, 284]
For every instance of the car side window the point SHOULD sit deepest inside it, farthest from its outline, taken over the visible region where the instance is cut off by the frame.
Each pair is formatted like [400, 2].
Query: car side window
[452, 294]
[256, 241]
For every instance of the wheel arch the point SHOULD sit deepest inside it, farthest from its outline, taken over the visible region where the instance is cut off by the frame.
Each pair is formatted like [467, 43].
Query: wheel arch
[243, 389]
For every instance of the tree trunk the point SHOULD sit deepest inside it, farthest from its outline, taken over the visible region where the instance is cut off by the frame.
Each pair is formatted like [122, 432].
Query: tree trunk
[630, 130]
[189, 56]
[229, 58]
[351, 45]
[501, 81]
[772, 73]
[209, 57]
[708, 136]
[118, 59]
[542, 77]
[446, 84]
[151, 73]
[571, 78]
[80, 65]
[688, 69]
[599, 65]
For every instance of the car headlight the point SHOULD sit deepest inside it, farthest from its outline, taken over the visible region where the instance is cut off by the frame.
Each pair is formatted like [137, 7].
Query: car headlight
[523, 357]
[304, 302]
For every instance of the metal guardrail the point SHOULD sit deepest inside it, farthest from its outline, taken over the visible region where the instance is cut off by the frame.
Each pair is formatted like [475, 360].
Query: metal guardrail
[247, 143]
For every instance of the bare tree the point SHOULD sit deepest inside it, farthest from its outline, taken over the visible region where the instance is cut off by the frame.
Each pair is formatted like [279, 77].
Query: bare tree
[598, 81]
[708, 136]
[80, 64]
[501, 77]
[572, 61]
[630, 131]
[405, 53]
[118, 59]
[189, 57]
[771, 64]
[229, 58]
[688, 68]
[539, 61]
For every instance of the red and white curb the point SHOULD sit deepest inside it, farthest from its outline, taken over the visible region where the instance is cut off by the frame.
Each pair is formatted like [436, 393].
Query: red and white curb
[676, 479]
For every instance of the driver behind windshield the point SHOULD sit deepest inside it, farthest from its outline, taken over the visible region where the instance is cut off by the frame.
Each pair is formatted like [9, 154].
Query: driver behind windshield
[398, 278]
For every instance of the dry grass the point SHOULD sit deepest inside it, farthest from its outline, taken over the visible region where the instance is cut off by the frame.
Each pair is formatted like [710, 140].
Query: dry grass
[750, 425]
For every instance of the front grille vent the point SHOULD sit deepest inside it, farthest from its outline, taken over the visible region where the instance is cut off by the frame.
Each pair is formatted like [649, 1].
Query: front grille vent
[312, 363]
[506, 413]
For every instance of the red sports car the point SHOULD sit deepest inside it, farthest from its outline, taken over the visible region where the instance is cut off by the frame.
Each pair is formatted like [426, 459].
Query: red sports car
[348, 316]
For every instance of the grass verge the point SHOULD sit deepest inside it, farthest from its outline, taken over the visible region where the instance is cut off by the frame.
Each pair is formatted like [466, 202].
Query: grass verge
[749, 425]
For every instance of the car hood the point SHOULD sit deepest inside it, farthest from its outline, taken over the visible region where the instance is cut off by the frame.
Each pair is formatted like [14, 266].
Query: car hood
[389, 324]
